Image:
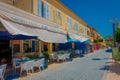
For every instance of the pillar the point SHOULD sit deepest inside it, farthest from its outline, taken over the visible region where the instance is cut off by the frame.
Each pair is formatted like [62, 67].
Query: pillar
[21, 46]
[73, 45]
[40, 48]
[50, 47]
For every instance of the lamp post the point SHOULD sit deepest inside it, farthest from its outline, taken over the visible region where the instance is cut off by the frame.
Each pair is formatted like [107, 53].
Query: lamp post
[114, 21]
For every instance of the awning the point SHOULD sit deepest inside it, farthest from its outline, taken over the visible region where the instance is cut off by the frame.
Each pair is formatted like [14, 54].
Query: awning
[44, 35]
[84, 39]
[87, 41]
[4, 35]
[74, 36]
[77, 37]
[71, 40]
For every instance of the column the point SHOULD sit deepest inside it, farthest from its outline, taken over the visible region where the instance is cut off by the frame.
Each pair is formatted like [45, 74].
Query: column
[21, 46]
[50, 47]
[40, 48]
[73, 45]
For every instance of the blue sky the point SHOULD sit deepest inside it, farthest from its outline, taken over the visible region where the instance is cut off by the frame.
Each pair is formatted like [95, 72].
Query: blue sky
[96, 13]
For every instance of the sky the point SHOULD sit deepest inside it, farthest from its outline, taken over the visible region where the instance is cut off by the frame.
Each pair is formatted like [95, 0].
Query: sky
[96, 13]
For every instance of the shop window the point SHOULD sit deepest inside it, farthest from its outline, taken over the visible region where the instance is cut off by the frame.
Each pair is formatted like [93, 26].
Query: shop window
[45, 48]
[26, 47]
[16, 48]
[36, 46]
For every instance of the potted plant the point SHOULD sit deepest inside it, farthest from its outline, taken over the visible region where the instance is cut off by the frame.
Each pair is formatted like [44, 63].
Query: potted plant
[47, 55]
[29, 56]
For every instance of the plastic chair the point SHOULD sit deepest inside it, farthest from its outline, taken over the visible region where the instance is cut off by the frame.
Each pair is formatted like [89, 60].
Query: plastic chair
[16, 63]
[61, 57]
[53, 57]
[67, 56]
[39, 63]
[27, 66]
[2, 71]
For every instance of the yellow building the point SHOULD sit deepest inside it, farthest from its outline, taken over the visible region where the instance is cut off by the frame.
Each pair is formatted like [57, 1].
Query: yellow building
[51, 16]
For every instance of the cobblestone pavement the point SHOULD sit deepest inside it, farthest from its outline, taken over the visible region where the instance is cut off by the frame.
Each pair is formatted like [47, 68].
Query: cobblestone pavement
[91, 67]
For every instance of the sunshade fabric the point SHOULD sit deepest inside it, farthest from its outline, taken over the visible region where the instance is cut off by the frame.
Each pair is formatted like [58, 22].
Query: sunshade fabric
[44, 35]
[4, 35]
[71, 40]
[77, 37]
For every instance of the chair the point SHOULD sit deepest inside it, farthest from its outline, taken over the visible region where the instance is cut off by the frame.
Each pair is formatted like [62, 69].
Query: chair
[2, 71]
[61, 57]
[67, 56]
[77, 52]
[53, 57]
[39, 63]
[16, 63]
[27, 66]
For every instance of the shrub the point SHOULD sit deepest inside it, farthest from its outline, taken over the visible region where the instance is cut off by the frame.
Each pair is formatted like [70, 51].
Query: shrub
[47, 55]
[95, 40]
[100, 40]
[115, 53]
[30, 56]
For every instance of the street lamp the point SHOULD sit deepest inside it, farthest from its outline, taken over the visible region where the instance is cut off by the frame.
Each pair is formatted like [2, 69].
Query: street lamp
[114, 21]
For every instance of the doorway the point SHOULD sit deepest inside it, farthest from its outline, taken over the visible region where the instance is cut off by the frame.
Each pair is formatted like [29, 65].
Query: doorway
[5, 51]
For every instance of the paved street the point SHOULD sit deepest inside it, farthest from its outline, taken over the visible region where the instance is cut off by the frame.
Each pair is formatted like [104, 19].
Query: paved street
[91, 67]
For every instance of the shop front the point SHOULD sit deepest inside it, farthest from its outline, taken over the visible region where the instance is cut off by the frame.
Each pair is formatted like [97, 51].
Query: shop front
[24, 29]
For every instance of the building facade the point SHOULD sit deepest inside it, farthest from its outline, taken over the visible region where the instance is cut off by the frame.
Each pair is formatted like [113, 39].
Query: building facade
[53, 19]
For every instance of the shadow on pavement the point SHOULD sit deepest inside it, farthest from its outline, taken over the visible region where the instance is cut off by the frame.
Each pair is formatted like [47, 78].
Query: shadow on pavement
[101, 58]
[105, 67]
[96, 59]
[109, 50]
[109, 62]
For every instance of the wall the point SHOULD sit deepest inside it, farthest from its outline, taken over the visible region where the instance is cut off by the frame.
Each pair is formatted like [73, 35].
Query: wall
[24, 5]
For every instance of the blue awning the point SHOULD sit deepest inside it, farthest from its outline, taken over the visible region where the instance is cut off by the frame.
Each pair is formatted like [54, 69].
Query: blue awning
[71, 40]
[87, 41]
[4, 35]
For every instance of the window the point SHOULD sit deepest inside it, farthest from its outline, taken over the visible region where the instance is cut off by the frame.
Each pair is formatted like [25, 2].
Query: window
[16, 48]
[26, 47]
[80, 29]
[76, 26]
[36, 46]
[69, 22]
[85, 32]
[39, 8]
[58, 17]
[88, 33]
[45, 10]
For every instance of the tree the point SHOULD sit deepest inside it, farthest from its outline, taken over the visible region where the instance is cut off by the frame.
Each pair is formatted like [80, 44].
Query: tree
[100, 40]
[118, 35]
[95, 40]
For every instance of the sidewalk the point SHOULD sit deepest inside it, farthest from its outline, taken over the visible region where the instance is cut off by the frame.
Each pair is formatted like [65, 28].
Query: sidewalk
[114, 71]
[77, 69]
